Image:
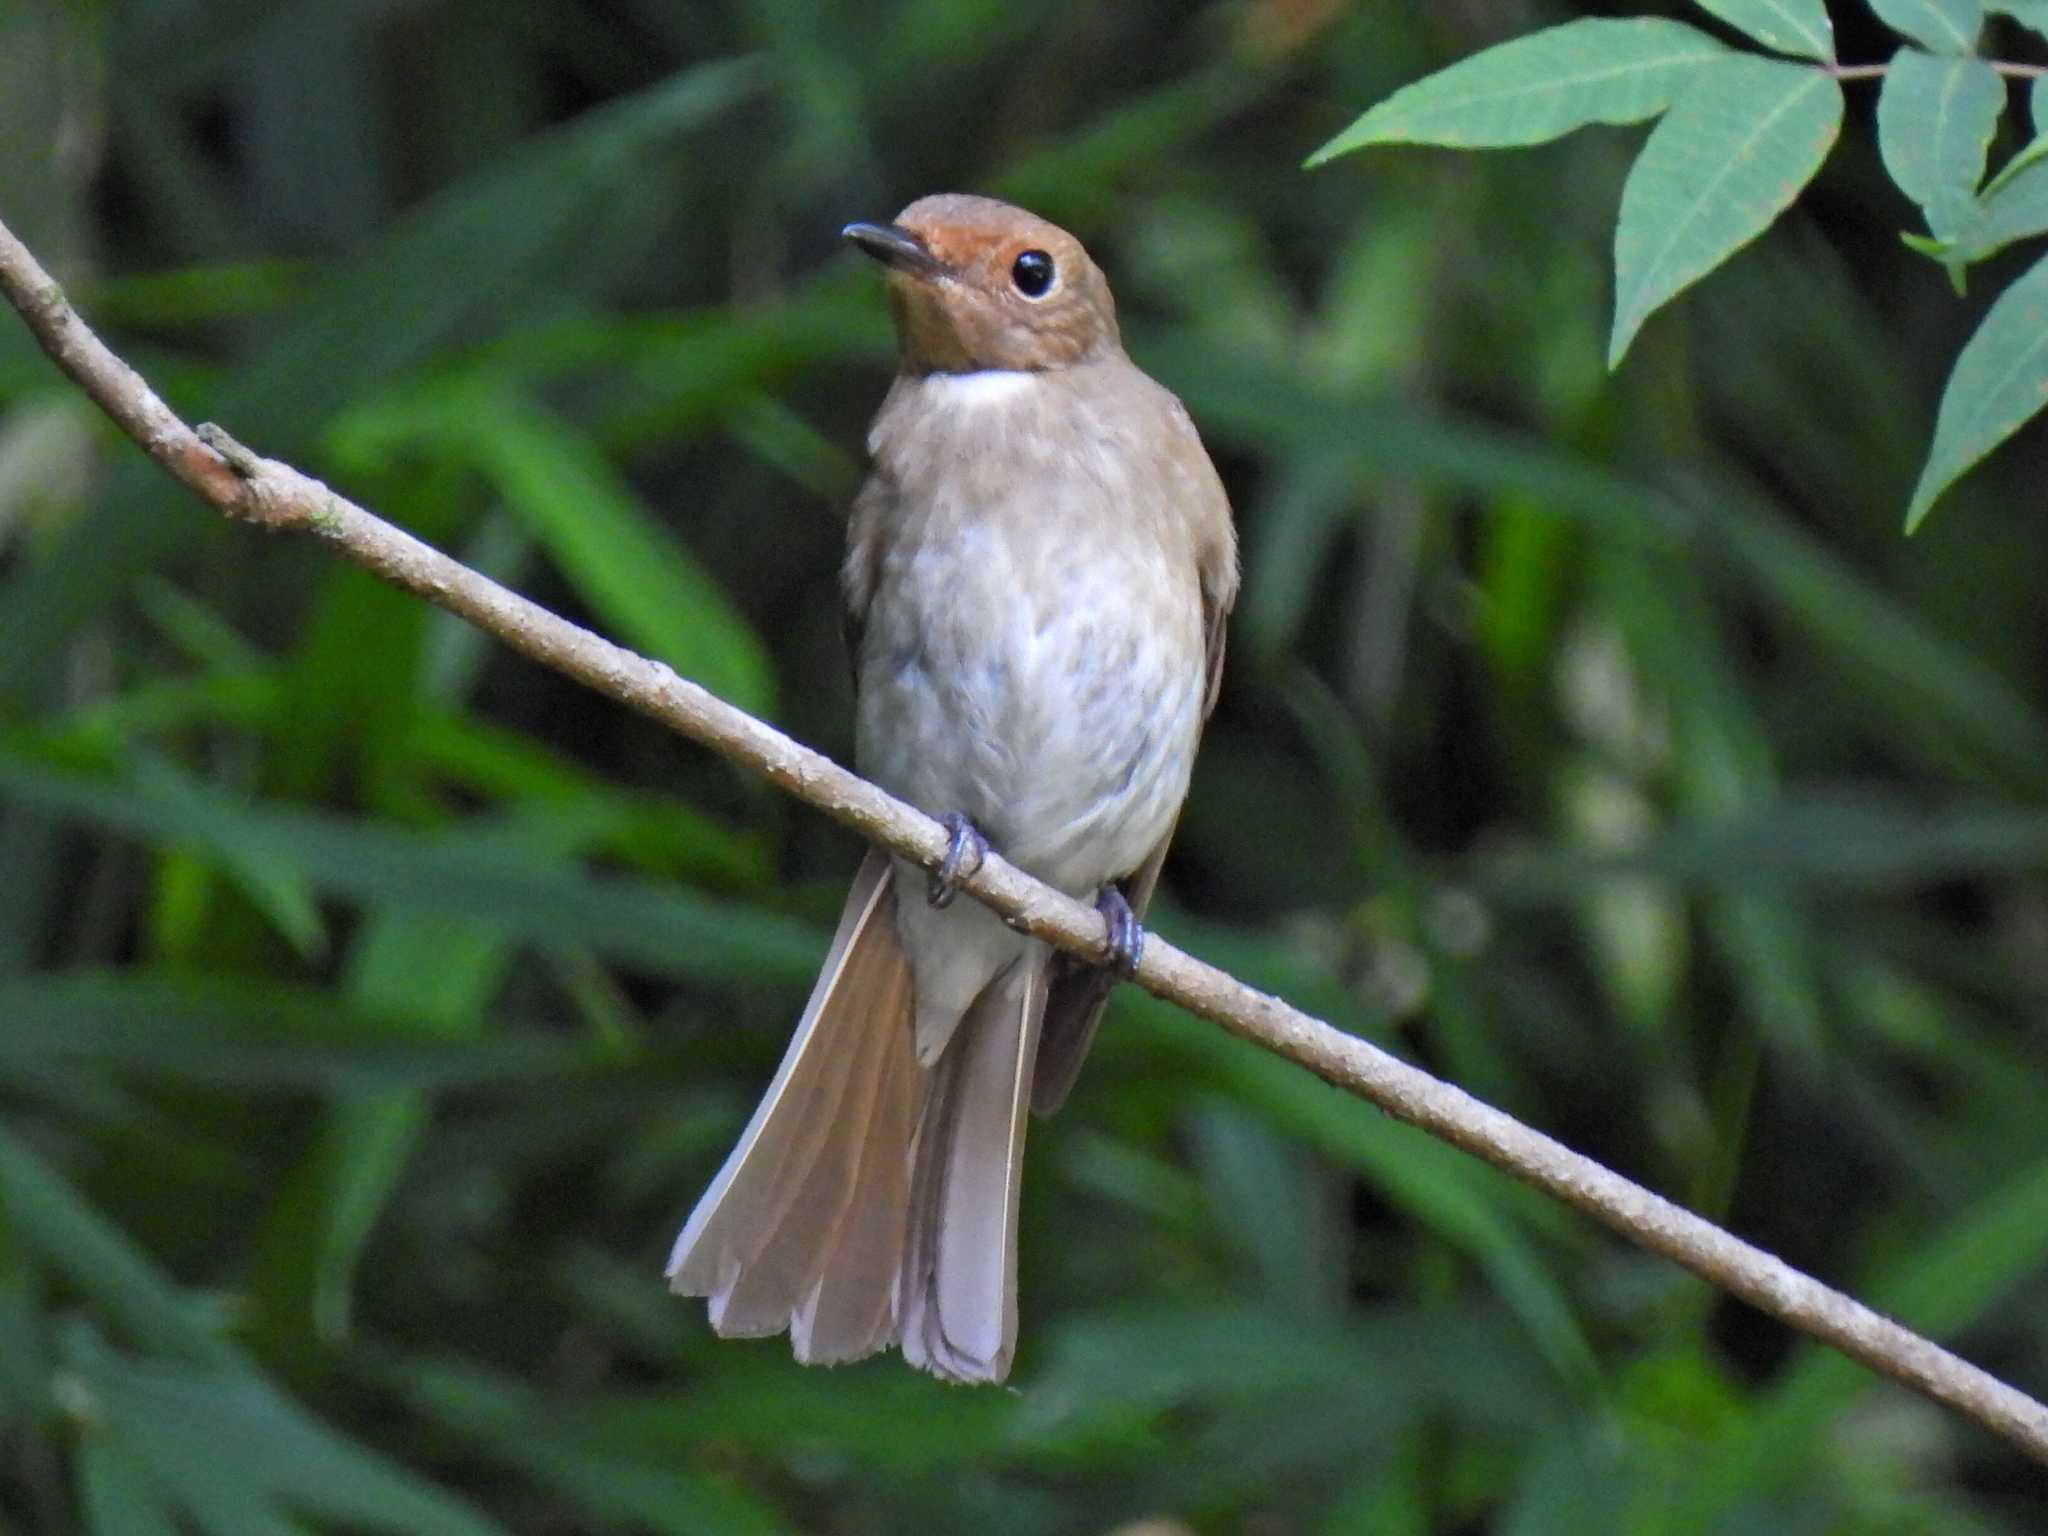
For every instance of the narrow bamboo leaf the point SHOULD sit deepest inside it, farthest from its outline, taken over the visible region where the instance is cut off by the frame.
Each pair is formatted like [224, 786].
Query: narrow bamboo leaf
[326, 1208]
[1946, 26]
[53, 1221]
[441, 974]
[209, 638]
[1964, 711]
[1117, 1362]
[493, 878]
[484, 254]
[1999, 383]
[1798, 27]
[657, 832]
[610, 545]
[118, 1495]
[1539, 87]
[613, 1476]
[1284, 1211]
[1467, 1206]
[781, 438]
[248, 1037]
[220, 1439]
[1812, 840]
[276, 889]
[1935, 118]
[1727, 159]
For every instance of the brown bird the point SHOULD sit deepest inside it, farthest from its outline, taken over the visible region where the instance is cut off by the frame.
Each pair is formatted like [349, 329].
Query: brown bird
[1037, 574]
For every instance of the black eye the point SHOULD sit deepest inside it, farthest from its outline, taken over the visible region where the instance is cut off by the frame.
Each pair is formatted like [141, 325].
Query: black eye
[1032, 272]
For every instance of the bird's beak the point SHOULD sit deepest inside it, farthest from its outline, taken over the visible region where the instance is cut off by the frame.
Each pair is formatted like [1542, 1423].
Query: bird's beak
[894, 246]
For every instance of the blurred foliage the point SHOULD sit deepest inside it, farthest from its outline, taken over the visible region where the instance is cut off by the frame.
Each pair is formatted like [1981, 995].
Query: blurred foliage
[374, 1004]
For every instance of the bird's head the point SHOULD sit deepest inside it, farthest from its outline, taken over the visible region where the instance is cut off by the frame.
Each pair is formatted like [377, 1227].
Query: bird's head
[977, 284]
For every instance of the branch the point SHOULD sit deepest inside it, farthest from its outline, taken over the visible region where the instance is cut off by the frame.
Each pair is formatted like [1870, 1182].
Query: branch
[279, 498]
[2003, 67]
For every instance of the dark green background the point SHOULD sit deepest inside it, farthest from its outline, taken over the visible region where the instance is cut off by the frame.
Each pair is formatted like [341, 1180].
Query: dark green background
[373, 1005]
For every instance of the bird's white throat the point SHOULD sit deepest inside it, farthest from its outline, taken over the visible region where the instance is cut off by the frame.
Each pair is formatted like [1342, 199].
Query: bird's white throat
[989, 386]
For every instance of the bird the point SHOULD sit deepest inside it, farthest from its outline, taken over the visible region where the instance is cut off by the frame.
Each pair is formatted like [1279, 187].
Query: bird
[1039, 567]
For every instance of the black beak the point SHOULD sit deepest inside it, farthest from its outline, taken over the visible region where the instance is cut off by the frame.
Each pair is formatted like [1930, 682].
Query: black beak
[894, 246]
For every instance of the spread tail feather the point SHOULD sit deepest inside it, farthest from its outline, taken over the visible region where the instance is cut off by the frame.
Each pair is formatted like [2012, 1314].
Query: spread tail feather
[959, 1285]
[804, 1226]
[870, 1201]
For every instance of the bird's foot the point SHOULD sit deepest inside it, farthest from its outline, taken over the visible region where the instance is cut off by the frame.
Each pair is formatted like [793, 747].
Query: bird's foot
[965, 850]
[1126, 941]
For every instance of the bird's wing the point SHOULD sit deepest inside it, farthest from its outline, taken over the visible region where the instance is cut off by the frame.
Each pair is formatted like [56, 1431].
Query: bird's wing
[866, 519]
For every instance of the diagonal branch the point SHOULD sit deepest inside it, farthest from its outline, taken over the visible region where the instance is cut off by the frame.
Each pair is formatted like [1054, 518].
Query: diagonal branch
[279, 498]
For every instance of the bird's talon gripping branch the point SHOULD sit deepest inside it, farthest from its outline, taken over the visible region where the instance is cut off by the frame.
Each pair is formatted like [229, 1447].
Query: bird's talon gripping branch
[965, 849]
[1126, 935]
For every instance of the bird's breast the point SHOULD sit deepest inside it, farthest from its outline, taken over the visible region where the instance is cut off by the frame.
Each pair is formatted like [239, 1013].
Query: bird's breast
[1032, 651]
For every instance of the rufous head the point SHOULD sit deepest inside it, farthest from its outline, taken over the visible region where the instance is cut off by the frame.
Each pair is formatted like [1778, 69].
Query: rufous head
[975, 284]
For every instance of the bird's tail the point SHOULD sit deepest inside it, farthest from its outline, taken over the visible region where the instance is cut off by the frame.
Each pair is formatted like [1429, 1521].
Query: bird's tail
[804, 1227]
[869, 1200]
[959, 1284]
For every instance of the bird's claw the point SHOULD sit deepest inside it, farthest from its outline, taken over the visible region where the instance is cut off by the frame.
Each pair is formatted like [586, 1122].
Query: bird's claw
[1125, 939]
[965, 849]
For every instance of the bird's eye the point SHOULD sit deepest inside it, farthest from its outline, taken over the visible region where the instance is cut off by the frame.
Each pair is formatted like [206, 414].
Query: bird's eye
[1032, 272]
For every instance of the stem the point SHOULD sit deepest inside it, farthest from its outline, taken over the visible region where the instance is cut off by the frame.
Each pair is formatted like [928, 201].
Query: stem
[2005, 67]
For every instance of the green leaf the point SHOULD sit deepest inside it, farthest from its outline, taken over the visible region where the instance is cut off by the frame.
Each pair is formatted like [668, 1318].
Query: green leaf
[615, 1477]
[1834, 839]
[1469, 1206]
[1730, 156]
[196, 295]
[325, 1210]
[611, 546]
[118, 1495]
[273, 886]
[440, 975]
[494, 878]
[2030, 154]
[1963, 712]
[1935, 118]
[1539, 87]
[250, 1037]
[231, 1448]
[52, 1220]
[2014, 204]
[480, 256]
[1798, 27]
[1999, 383]
[658, 832]
[1284, 1210]
[2017, 209]
[783, 439]
[1946, 26]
